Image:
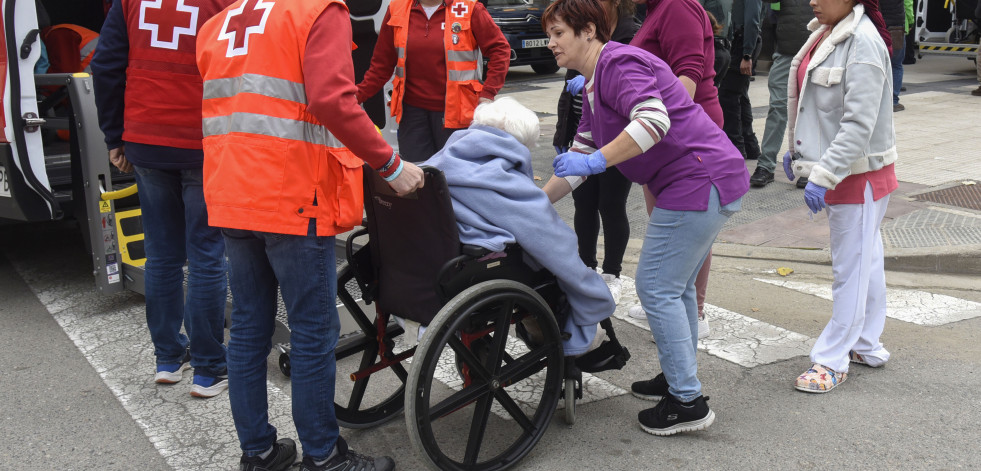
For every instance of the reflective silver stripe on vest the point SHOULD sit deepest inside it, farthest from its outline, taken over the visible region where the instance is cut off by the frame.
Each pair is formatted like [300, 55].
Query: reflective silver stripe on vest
[251, 123]
[399, 72]
[462, 56]
[258, 84]
[461, 75]
[400, 51]
[88, 48]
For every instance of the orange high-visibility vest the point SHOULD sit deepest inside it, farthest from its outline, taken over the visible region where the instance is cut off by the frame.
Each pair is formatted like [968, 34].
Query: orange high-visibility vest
[269, 165]
[86, 47]
[463, 85]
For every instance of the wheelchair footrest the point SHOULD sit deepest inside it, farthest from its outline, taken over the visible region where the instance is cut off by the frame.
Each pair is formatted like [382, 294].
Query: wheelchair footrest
[610, 355]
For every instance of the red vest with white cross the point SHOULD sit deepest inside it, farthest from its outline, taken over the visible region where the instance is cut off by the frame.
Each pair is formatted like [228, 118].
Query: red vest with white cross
[163, 85]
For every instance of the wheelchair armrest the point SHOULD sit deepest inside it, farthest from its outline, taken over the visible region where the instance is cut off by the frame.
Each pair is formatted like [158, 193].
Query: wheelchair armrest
[349, 247]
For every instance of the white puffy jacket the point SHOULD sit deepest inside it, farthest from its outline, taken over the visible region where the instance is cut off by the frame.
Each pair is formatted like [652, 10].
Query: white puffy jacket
[841, 119]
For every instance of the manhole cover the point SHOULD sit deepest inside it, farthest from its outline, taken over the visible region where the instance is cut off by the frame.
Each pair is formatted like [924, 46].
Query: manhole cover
[964, 196]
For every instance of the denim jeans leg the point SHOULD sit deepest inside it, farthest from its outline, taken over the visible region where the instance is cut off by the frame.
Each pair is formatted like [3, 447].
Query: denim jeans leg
[673, 251]
[207, 283]
[897, 71]
[162, 211]
[305, 267]
[254, 289]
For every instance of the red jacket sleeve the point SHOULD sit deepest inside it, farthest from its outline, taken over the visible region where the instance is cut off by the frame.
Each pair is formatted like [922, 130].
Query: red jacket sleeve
[383, 61]
[494, 46]
[683, 47]
[328, 76]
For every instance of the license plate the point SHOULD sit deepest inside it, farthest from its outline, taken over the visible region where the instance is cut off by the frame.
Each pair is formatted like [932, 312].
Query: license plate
[4, 184]
[543, 42]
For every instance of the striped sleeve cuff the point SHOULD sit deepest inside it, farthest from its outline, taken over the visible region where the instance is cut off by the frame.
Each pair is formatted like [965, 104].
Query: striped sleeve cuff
[584, 142]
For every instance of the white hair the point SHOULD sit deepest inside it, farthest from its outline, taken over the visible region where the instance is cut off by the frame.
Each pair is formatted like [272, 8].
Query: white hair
[506, 114]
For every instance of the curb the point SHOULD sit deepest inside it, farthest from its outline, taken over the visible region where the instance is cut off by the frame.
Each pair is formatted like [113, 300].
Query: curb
[956, 260]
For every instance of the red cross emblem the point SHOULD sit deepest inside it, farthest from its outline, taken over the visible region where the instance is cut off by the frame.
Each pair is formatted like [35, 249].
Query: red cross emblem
[167, 20]
[249, 18]
[460, 9]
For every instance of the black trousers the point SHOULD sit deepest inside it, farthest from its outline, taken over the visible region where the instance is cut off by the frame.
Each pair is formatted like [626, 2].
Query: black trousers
[603, 196]
[421, 133]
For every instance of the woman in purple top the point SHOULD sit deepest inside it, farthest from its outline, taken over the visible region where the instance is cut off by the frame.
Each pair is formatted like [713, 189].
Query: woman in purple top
[680, 33]
[638, 116]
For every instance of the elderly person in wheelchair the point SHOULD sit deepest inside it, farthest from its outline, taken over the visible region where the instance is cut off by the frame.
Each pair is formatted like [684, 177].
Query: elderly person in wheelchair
[496, 201]
[478, 257]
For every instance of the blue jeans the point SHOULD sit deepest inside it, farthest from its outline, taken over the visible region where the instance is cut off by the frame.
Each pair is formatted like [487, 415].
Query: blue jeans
[303, 267]
[898, 36]
[176, 230]
[674, 249]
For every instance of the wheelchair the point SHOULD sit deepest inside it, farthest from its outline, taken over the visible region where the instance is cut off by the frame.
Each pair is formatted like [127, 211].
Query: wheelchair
[484, 380]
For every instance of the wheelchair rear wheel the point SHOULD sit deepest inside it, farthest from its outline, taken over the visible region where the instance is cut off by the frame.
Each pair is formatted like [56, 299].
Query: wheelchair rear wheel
[372, 400]
[476, 408]
[366, 399]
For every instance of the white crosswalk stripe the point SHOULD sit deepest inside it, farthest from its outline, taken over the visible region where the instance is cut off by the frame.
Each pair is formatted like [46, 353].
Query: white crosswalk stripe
[733, 336]
[110, 331]
[907, 305]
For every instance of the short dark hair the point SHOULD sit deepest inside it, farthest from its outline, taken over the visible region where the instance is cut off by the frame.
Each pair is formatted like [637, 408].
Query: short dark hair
[578, 14]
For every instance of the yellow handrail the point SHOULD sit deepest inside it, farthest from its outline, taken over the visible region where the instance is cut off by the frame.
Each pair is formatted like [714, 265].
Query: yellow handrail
[115, 195]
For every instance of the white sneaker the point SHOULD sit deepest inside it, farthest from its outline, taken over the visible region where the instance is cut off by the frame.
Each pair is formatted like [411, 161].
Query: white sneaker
[637, 312]
[615, 285]
[703, 327]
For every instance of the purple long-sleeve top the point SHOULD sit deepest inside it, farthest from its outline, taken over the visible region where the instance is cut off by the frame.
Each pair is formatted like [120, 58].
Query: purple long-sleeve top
[694, 154]
[679, 32]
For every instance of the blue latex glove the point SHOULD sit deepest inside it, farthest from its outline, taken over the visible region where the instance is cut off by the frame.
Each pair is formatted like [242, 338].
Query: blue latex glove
[787, 166]
[814, 197]
[560, 149]
[579, 164]
[575, 84]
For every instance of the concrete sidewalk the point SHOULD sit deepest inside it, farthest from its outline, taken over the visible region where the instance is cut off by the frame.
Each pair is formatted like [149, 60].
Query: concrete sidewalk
[934, 219]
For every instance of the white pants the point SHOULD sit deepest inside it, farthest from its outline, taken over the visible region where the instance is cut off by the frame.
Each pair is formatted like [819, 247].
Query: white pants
[859, 290]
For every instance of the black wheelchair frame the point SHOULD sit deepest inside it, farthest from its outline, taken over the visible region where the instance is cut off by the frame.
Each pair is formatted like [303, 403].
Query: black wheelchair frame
[472, 302]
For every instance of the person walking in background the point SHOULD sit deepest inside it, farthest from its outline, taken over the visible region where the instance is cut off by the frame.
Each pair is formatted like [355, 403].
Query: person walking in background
[679, 33]
[848, 153]
[279, 109]
[434, 51]
[790, 18]
[720, 12]
[639, 116]
[897, 15]
[602, 196]
[734, 88]
[147, 91]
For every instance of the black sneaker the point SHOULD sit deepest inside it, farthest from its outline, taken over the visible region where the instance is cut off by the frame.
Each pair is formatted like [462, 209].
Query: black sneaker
[671, 416]
[801, 182]
[281, 458]
[652, 389]
[976, 91]
[347, 460]
[761, 177]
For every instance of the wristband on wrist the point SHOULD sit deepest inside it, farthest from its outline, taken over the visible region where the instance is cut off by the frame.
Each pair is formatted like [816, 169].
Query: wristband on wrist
[395, 174]
[389, 164]
[389, 168]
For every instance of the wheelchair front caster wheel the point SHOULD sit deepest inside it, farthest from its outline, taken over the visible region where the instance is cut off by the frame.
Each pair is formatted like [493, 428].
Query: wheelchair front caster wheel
[284, 364]
[570, 401]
